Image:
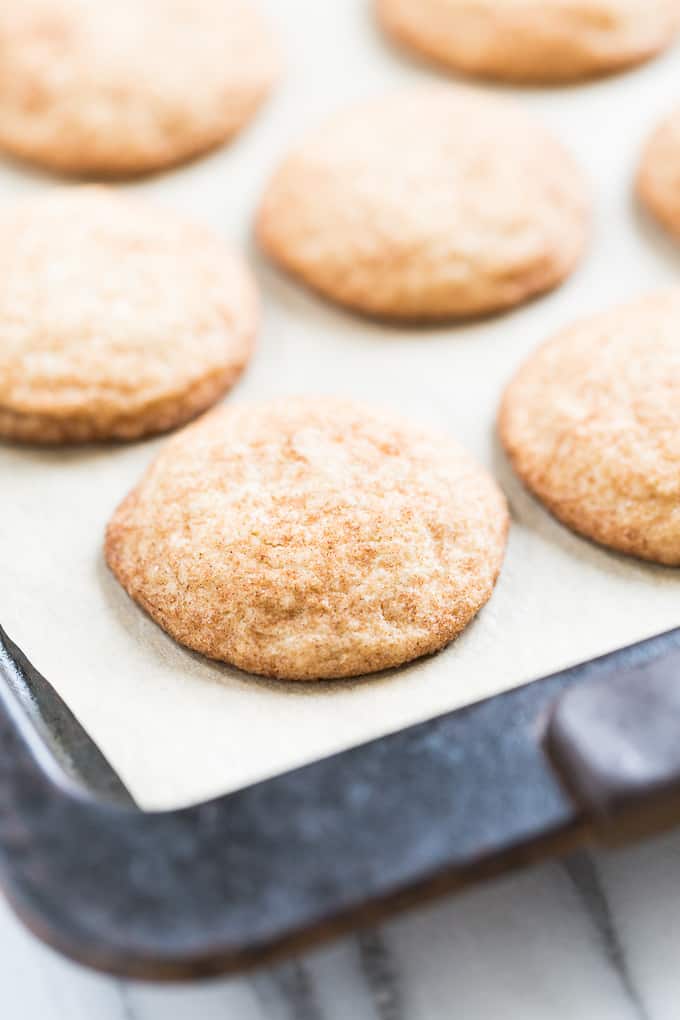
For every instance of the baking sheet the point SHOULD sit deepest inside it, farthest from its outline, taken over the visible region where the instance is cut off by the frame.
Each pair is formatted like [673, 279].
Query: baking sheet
[178, 727]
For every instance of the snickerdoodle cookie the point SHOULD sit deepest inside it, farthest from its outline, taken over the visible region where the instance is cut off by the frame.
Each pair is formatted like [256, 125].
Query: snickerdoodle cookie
[658, 180]
[433, 203]
[309, 538]
[116, 319]
[533, 40]
[592, 426]
[131, 86]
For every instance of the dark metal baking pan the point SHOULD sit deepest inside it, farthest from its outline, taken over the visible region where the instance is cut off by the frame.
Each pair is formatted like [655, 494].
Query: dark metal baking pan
[590, 754]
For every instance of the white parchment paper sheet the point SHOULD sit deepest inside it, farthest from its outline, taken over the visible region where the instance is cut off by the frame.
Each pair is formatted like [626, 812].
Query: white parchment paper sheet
[179, 727]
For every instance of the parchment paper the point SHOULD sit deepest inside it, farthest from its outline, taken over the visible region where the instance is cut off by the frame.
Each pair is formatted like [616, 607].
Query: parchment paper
[178, 727]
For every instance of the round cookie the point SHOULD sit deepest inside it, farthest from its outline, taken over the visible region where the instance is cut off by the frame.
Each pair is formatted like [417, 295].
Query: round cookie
[658, 180]
[128, 87]
[591, 423]
[116, 319]
[434, 203]
[307, 538]
[533, 40]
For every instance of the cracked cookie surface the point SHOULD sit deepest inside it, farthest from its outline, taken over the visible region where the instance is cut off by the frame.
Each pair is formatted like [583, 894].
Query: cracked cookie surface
[591, 423]
[658, 178]
[308, 538]
[533, 40]
[432, 203]
[123, 88]
[117, 319]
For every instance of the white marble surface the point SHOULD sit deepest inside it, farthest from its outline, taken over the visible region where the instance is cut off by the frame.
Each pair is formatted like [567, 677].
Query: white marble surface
[596, 937]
